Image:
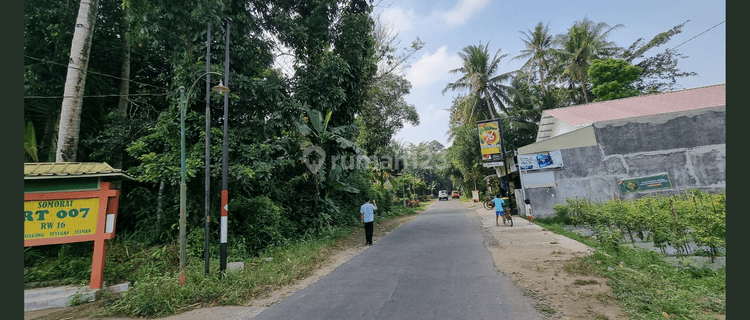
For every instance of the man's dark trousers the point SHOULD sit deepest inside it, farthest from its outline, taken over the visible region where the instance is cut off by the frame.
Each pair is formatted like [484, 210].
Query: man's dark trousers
[368, 232]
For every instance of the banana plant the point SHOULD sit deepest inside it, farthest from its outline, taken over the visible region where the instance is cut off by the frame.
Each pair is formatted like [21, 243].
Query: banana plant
[29, 142]
[331, 141]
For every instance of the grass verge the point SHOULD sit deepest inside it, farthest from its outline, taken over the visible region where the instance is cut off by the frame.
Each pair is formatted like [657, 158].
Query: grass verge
[646, 286]
[161, 295]
[554, 226]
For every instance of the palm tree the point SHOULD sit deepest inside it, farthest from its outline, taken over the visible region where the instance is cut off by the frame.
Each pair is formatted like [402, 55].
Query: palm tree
[70, 115]
[537, 52]
[479, 78]
[584, 41]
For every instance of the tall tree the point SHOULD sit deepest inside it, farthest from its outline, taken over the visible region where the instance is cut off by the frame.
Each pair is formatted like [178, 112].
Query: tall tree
[70, 115]
[613, 79]
[537, 52]
[583, 42]
[480, 78]
[122, 106]
[385, 112]
[390, 59]
[660, 72]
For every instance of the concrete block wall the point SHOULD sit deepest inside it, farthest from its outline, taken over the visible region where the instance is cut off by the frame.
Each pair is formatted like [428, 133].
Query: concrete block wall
[689, 146]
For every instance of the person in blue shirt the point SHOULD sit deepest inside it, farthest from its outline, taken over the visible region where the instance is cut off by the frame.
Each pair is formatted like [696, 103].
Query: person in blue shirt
[499, 209]
[368, 216]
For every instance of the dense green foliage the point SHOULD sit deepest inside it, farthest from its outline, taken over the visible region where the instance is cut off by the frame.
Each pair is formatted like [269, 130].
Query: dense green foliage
[613, 79]
[645, 284]
[333, 97]
[647, 287]
[667, 221]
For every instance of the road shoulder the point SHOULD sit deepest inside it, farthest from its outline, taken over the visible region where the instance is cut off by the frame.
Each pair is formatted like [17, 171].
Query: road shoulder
[535, 259]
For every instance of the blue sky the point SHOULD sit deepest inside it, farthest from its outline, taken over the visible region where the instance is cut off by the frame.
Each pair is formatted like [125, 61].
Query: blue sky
[446, 26]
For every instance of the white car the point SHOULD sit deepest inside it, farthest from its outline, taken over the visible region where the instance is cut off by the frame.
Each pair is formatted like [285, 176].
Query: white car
[443, 194]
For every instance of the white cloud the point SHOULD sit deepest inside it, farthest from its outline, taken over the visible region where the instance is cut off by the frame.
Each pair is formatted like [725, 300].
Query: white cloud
[463, 10]
[432, 68]
[433, 124]
[432, 115]
[398, 19]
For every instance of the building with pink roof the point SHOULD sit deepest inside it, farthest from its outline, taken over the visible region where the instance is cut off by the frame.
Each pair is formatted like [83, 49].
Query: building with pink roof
[626, 148]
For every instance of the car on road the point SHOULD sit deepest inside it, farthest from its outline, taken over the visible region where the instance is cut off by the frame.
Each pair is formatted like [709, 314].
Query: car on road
[455, 194]
[442, 194]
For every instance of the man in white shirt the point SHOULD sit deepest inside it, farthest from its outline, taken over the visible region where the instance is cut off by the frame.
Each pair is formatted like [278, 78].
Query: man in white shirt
[368, 216]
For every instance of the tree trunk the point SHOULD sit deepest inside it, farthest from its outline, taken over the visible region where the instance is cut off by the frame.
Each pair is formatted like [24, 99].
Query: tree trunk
[70, 115]
[48, 146]
[122, 107]
[490, 107]
[583, 88]
[160, 201]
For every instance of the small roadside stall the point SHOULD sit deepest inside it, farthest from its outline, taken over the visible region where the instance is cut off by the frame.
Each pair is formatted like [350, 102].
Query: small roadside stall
[72, 202]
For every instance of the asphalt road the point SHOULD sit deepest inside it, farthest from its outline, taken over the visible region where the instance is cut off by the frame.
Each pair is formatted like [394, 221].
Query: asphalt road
[433, 267]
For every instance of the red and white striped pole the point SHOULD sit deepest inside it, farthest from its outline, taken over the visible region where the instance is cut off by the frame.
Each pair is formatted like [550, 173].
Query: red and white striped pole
[224, 162]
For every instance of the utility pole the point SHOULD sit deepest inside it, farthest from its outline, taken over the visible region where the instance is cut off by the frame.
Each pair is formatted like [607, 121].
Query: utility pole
[225, 161]
[505, 160]
[208, 142]
[183, 186]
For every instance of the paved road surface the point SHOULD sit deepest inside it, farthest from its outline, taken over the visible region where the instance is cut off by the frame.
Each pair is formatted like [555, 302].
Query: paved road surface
[433, 267]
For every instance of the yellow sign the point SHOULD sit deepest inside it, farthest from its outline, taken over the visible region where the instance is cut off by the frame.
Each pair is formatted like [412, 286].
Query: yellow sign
[59, 218]
[489, 137]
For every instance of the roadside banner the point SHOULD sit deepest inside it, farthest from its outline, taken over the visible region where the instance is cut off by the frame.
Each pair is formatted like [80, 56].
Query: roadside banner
[489, 138]
[645, 183]
[540, 160]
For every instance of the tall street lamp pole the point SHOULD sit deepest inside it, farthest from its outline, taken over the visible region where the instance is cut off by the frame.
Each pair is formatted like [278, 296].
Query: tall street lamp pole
[208, 145]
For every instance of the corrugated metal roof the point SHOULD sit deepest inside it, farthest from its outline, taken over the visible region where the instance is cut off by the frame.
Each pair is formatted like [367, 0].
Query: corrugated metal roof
[42, 170]
[691, 99]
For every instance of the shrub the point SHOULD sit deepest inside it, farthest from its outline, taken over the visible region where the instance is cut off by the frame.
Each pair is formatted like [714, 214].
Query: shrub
[259, 221]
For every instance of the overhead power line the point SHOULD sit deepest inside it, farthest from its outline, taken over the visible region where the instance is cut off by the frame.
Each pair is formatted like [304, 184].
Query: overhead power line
[699, 34]
[94, 72]
[97, 96]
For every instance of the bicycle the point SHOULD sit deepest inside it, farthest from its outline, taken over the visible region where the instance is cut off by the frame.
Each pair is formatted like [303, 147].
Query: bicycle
[489, 205]
[509, 217]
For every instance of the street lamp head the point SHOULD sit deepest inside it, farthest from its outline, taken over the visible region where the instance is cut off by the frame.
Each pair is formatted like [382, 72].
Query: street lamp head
[220, 88]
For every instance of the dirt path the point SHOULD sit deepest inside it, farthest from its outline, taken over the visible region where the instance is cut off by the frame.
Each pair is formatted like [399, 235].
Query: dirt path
[535, 259]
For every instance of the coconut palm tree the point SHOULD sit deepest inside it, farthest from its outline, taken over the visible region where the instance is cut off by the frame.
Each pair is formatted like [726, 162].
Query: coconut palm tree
[584, 41]
[70, 116]
[480, 78]
[537, 52]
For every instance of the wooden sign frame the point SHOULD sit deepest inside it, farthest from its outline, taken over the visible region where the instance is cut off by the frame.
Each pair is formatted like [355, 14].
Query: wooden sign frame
[108, 202]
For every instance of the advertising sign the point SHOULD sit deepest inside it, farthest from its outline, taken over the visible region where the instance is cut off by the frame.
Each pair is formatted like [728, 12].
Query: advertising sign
[489, 138]
[647, 183]
[60, 218]
[541, 160]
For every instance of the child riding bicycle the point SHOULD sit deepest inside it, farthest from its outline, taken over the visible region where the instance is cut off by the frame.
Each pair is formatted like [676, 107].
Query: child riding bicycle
[500, 209]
